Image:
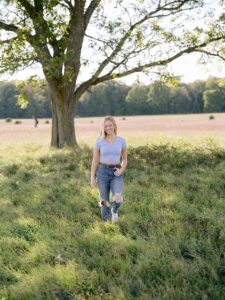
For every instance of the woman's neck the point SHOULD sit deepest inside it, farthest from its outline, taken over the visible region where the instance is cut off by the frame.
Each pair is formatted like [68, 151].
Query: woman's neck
[110, 137]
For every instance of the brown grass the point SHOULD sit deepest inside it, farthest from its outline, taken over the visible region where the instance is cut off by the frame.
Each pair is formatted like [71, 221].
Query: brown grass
[142, 128]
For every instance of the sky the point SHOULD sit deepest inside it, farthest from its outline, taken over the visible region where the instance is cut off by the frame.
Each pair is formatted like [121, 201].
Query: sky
[186, 67]
[189, 68]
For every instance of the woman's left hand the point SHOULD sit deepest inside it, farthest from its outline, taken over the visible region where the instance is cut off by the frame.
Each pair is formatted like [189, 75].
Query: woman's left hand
[118, 171]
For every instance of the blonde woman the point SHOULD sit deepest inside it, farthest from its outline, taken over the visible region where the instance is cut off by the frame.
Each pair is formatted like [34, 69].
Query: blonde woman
[108, 164]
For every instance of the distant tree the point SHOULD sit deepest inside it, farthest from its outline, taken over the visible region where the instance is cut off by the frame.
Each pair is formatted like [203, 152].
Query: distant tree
[212, 83]
[214, 99]
[118, 99]
[66, 36]
[39, 104]
[137, 100]
[8, 101]
[180, 100]
[195, 91]
[159, 98]
[105, 99]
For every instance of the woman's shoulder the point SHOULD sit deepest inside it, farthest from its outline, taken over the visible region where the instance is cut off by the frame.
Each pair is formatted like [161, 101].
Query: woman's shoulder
[99, 139]
[99, 142]
[121, 140]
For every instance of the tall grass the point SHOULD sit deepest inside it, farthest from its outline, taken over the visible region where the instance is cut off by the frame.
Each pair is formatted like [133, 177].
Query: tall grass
[168, 244]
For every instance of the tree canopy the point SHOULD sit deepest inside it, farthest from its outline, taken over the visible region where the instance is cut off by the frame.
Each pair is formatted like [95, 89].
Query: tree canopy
[117, 99]
[81, 43]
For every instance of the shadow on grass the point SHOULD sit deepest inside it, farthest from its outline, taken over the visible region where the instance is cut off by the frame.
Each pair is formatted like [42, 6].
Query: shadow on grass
[169, 242]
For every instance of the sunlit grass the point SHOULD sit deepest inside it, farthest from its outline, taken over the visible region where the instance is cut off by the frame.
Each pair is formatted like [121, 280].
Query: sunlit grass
[169, 241]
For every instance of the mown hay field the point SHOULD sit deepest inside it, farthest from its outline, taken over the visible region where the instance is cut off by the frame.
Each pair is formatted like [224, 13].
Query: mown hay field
[169, 242]
[137, 129]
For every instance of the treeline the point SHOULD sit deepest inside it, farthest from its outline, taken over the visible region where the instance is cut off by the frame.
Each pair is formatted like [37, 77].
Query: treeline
[114, 98]
[39, 104]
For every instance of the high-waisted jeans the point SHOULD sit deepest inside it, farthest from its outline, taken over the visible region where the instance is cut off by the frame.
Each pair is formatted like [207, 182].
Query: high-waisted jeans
[107, 182]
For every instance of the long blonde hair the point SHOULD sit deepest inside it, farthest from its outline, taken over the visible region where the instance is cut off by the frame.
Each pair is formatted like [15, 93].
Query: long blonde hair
[108, 118]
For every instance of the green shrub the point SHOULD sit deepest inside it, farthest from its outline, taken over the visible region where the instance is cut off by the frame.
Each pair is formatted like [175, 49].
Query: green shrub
[11, 169]
[7, 277]
[18, 122]
[8, 120]
[12, 249]
[25, 229]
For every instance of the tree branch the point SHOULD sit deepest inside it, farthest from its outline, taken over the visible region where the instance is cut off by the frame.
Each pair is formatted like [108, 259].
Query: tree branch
[8, 40]
[28, 7]
[167, 7]
[156, 63]
[89, 11]
[217, 54]
[110, 75]
[15, 65]
[36, 14]
[121, 42]
[76, 32]
[8, 27]
[106, 43]
[70, 6]
[38, 6]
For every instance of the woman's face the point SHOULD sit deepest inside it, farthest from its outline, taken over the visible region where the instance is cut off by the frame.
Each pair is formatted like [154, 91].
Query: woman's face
[109, 128]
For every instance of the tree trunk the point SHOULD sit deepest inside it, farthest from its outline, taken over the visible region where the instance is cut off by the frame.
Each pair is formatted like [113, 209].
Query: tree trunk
[63, 130]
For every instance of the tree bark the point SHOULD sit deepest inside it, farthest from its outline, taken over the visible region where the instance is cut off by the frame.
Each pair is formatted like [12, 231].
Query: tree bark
[63, 130]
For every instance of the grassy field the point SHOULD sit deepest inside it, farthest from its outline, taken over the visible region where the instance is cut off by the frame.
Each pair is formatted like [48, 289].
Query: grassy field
[169, 242]
[138, 130]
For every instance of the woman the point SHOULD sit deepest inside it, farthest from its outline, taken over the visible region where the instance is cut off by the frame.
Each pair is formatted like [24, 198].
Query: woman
[108, 164]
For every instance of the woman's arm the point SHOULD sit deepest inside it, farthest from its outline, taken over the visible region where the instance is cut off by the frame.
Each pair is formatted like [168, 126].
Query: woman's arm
[124, 159]
[95, 161]
[119, 171]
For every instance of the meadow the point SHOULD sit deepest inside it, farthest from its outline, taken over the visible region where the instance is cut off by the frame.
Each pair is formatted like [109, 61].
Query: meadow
[170, 240]
[138, 130]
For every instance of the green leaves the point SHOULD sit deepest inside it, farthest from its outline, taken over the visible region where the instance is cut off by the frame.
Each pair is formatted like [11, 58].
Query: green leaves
[169, 79]
[23, 100]
[139, 36]
[28, 88]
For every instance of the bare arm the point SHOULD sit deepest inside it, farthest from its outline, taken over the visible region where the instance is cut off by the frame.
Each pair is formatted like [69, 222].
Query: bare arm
[95, 161]
[124, 159]
[119, 171]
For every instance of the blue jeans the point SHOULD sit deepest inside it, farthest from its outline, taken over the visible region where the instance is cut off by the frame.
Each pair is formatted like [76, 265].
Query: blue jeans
[107, 182]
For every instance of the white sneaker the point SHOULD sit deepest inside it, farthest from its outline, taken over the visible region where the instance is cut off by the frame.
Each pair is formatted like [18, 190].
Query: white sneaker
[115, 216]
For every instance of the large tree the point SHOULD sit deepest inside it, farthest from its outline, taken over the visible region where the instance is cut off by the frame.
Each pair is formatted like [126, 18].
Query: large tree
[100, 39]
